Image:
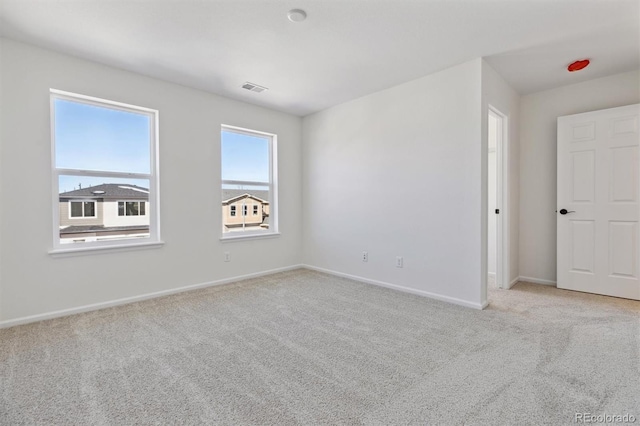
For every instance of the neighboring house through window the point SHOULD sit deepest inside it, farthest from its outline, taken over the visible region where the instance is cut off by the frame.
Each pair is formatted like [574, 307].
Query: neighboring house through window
[104, 173]
[108, 218]
[248, 182]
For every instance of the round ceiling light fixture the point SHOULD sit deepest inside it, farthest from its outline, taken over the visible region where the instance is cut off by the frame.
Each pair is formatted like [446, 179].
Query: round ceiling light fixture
[578, 65]
[297, 15]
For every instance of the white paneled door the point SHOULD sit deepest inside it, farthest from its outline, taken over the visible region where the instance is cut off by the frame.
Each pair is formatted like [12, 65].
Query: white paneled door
[598, 202]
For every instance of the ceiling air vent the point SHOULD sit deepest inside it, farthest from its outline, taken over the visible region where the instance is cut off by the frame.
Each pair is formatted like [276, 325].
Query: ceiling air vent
[253, 87]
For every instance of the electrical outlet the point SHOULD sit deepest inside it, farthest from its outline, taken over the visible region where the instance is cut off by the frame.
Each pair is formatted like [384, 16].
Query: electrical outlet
[365, 256]
[227, 256]
[399, 261]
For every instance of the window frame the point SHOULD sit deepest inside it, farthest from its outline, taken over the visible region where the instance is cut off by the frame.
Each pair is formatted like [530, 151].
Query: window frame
[273, 229]
[152, 177]
[95, 209]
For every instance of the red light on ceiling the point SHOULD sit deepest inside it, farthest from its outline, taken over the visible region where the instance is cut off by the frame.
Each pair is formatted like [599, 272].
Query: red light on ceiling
[578, 65]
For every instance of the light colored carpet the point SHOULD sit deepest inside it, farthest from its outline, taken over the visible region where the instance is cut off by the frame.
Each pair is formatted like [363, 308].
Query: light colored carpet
[305, 348]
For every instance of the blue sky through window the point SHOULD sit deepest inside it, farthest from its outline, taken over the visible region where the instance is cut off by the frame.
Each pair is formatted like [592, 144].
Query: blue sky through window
[245, 157]
[95, 138]
[89, 137]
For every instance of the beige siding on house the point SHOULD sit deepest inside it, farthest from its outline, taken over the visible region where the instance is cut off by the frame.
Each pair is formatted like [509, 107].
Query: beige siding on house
[238, 219]
[65, 220]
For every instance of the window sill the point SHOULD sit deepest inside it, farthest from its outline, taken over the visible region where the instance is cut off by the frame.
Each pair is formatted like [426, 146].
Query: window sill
[80, 251]
[250, 237]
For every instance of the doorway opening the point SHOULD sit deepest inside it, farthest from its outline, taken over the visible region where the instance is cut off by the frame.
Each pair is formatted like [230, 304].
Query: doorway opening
[497, 243]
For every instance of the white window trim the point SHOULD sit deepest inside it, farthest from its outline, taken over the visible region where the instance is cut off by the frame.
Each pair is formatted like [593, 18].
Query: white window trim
[273, 229]
[125, 207]
[95, 209]
[136, 245]
[153, 178]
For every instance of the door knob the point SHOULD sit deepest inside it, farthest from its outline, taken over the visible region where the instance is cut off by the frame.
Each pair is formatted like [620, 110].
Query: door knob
[565, 211]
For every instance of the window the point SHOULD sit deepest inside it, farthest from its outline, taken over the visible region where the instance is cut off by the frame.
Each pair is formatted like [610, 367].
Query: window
[80, 209]
[131, 208]
[103, 151]
[248, 180]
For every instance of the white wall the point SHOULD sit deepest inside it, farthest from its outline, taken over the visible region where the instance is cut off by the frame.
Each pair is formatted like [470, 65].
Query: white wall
[497, 93]
[2, 110]
[398, 173]
[35, 283]
[539, 112]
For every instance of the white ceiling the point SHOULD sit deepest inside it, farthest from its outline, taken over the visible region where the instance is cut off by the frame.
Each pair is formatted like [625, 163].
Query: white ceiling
[344, 50]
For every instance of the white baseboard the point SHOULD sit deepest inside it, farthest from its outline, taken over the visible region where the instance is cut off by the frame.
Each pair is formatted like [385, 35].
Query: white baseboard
[139, 298]
[536, 280]
[423, 293]
[514, 281]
